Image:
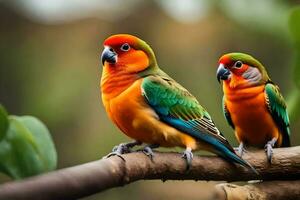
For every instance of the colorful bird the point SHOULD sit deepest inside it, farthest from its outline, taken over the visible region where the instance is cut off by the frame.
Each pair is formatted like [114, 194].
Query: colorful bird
[252, 104]
[152, 108]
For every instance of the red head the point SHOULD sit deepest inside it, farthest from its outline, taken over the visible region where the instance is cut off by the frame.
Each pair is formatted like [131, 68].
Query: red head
[126, 52]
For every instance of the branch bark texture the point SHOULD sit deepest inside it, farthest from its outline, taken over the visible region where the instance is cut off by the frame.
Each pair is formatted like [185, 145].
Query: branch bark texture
[96, 176]
[269, 190]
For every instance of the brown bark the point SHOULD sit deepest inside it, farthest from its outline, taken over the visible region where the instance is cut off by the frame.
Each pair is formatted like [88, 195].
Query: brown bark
[269, 190]
[93, 177]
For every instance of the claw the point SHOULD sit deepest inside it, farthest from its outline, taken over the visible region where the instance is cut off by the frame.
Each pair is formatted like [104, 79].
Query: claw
[148, 152]
[115, 148]
[122, 149]
[269, 149]
[115, 154]
[188, 156]
[240, 150]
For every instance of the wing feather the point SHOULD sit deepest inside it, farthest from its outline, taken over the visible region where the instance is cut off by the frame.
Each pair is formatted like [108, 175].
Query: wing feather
[227, 113]
[277, 107]
[178, 108]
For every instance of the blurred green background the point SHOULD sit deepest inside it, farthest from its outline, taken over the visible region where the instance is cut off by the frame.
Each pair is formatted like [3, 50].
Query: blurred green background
[50, 66]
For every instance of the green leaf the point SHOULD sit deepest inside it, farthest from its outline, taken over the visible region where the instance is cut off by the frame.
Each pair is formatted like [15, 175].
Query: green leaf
[27, 148]
[43, 139]
[3, 122]
[294, 25]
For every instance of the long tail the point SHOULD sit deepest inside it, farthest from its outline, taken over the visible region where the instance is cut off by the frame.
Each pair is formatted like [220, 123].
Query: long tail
[231, 156]
[220, 146]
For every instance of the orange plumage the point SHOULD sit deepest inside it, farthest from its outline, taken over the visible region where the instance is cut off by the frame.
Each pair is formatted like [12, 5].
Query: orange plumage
[126, 107]
[152, 108]
[252, 103]
[252, 121]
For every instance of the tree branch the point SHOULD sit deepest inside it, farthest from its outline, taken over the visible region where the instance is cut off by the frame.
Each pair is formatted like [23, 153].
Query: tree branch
[269, 190]
[93, 177]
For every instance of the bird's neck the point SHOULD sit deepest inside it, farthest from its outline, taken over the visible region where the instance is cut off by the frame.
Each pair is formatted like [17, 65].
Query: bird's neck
[238, 94]
[114, 82]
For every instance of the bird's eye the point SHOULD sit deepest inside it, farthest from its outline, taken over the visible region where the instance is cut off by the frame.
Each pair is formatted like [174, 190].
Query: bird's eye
[125, 47]
[238, 64]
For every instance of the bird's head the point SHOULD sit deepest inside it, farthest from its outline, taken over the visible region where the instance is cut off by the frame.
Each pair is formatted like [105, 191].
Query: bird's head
[240, 70]
[127, 53]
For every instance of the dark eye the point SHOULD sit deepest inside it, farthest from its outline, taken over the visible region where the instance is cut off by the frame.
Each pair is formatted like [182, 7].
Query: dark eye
[238, 64]
[125, 47]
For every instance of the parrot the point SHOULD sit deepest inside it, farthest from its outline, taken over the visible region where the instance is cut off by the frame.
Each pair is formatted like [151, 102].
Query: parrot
[152, 108]
[252, 104]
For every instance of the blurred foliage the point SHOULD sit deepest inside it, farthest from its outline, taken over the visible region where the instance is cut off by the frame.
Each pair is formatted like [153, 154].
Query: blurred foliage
[26, 147]
[294, 25]
[3, 122]
[293, 103]
[269, 16]
[294, 95]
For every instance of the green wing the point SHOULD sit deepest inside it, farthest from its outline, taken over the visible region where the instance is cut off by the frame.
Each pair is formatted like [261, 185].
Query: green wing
[178, 108]
[227, 113]
[277, 108]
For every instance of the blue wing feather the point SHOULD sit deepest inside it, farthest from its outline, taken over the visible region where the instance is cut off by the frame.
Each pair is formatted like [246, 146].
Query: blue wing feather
[178, 108]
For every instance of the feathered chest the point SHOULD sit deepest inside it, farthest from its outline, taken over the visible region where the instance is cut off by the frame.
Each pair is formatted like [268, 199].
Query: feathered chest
[247, 106]
[250, 115]
[113, 83]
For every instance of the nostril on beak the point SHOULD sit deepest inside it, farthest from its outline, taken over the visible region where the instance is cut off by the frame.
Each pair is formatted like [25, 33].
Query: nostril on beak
[222, 73]
[108, 55]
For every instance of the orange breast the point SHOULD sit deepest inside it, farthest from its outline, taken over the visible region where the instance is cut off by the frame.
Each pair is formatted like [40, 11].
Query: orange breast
[128, 109]
[130, 113]
[254, 124]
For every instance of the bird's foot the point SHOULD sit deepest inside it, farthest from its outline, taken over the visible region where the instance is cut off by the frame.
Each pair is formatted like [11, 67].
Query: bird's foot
[240, 150]
[188, 156]
[148, 150]
[115, 153]
[122, 149]
[269, 149]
